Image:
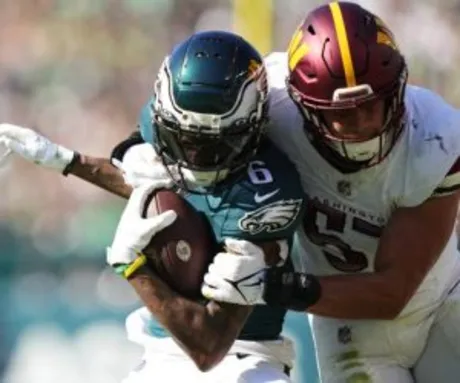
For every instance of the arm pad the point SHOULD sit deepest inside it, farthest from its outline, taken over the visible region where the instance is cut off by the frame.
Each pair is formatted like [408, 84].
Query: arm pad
[290, 290]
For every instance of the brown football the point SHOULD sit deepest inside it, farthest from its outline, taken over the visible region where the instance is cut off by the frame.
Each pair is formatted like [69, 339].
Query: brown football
[181, 253]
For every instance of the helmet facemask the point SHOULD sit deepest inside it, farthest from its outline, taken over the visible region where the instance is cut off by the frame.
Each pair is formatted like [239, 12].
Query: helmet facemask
[206, 148]
[205, 159]
[363, 152]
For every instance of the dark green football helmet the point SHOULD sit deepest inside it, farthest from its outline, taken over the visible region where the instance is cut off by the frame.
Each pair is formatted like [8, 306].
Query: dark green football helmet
[210, 106]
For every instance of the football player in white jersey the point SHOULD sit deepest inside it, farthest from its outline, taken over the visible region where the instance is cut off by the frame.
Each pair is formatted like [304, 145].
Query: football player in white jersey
[379, 161]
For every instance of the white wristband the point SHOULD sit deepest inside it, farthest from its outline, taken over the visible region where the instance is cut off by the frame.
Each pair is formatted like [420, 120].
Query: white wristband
[63, 158]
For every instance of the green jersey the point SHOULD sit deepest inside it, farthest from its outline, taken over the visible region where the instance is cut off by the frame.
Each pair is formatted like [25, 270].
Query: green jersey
[263, 202]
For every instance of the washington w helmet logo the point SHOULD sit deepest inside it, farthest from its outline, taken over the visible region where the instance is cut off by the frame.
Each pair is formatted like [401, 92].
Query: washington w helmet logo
[269, 218]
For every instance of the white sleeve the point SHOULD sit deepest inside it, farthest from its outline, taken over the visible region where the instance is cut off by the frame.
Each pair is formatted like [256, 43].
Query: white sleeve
[433, 156]
[450, 183]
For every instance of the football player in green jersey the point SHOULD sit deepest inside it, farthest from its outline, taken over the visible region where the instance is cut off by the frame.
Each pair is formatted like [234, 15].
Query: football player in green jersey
[204, 129]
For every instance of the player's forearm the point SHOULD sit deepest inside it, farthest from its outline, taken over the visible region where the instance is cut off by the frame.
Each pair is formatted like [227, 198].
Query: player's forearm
[402, 262]
[100, 172]
[361, 296]
[205, 332]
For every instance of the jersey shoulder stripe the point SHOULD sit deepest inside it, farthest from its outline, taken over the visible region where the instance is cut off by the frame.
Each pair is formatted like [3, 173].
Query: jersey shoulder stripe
[451, 182]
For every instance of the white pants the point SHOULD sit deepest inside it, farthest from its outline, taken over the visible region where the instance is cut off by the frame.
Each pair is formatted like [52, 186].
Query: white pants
[422, 345]
[440, 361]
[173, 368]
[246, 362]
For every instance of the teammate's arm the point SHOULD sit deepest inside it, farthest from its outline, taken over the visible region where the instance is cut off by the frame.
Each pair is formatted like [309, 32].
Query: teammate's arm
[204, 331]
[409, 246]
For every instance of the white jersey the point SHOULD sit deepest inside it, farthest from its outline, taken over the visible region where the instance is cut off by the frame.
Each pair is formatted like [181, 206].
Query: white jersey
[347, 212]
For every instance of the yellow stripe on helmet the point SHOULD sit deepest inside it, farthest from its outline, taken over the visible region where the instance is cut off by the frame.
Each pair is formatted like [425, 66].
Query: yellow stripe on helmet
[344, 47]
[384, 35]
[296, 50]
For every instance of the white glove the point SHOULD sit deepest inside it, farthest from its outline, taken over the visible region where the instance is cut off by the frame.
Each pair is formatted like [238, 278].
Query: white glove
[134, 232]
[140, 165]
[34, 147]
[236, 276]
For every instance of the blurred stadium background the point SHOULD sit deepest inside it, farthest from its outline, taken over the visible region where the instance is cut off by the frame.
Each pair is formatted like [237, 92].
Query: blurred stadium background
[79, 71]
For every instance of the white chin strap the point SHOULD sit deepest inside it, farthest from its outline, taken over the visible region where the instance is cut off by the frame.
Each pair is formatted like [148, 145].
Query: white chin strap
[203, 179]
[360, 151]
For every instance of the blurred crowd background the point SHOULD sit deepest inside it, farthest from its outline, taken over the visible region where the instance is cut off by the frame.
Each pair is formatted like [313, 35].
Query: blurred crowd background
[79, 72]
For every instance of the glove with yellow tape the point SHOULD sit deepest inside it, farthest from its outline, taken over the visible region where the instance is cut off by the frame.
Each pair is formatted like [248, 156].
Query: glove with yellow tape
[135, 232]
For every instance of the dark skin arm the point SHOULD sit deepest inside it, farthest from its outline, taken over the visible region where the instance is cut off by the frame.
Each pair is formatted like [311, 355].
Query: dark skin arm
[409, 246]
[100, 172]
[204, 331]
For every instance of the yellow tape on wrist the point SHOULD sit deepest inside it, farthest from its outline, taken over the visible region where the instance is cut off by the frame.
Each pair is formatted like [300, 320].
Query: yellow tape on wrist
[133, 267]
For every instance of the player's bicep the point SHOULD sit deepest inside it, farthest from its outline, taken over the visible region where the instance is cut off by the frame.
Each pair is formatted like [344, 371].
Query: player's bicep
[413, 240]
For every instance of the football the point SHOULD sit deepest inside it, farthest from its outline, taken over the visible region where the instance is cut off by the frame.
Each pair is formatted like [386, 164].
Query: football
[181, 253]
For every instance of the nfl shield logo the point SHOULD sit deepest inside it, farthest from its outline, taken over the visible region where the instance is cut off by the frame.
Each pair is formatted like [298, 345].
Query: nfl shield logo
[344, 334]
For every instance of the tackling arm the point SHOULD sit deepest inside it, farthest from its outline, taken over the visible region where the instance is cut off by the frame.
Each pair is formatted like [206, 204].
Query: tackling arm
[38, 149]
[409, 246]
[100, 172]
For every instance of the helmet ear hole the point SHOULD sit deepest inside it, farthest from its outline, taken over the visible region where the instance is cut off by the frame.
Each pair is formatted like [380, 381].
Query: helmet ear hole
[311, 30]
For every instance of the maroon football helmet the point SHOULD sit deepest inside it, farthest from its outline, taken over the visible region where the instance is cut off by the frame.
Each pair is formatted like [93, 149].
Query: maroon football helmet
[340, 57]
